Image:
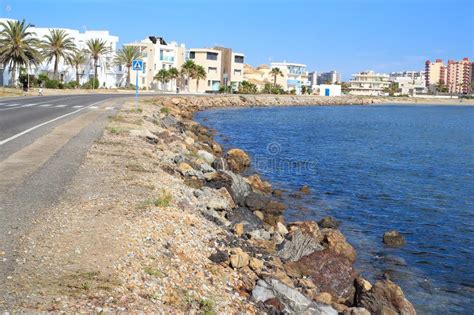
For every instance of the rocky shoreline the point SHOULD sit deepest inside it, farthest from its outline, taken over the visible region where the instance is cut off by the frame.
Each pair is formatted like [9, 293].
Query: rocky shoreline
[164, 221]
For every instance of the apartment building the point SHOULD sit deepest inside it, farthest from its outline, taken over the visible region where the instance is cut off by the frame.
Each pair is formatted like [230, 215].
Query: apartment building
[459, 76]
[409, 82]
[331, 77]
[435, 73]
[223, 68]
[294, 76]
[368, 83]
[108, 74]
[313, 80]
[157, 54]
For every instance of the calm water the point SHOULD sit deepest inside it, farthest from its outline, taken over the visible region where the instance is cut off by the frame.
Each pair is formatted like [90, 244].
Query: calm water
[377, 168]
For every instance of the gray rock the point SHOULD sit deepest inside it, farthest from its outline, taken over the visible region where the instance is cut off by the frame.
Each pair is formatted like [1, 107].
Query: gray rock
[245, 216]
[220, 164]
[214, 216]
[256, 201]
[206, 168]
[329, 223]
[297, 245]
[208, 157]
[178, 158]
[169, 121]
[260, 234]
[240, 189]
[262, 292]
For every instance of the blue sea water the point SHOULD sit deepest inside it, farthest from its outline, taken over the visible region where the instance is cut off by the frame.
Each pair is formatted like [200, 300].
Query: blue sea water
[377, 168]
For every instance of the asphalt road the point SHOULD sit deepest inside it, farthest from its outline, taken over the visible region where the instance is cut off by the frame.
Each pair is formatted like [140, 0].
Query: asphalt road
[43, 141]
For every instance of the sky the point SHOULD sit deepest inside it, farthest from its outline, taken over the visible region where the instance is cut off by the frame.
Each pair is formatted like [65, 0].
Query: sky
[344, 35]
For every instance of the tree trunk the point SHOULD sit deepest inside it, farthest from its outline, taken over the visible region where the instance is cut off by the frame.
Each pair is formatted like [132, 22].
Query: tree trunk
[197, 86]
[129, 76]
[13, 83]
[77, 75]
[55, 71]
[95, 72]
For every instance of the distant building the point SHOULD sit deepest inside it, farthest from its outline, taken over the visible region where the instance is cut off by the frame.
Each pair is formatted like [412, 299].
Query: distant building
[313, 80]
[369, 83]
[107, 73]
[157, 54]
[328, 90]
[331, 77]
[294, 76]
[435, 73]
[459, 76]
[409, 82]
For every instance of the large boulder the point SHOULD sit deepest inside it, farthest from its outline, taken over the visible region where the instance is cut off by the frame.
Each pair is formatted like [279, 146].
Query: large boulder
[329, 271]
[384, 297]
[335, 240]
[259, 185]
[237, 160]
[235, 184]
[256, 201]
[303, 239]
[393, 238]
[329, 223]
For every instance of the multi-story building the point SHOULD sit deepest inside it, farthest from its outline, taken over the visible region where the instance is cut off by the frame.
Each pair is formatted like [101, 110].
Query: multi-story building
[369, 83]
[107, 73]
[223, 68]
[331, 77]
[409, 82]
[313, 80]
[435, 73]
[157, 54]
[459, 76]
[294, 76]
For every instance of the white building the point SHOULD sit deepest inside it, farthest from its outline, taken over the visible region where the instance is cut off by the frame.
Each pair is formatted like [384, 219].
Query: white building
[368, 83]
[294, 77]
[108, 75]
[328, 90]
[313, 80]
[409, 82]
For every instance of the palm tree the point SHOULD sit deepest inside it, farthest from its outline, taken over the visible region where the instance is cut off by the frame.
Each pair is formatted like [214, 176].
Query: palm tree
[163, 76]
[18, 47]
[96, 48]
[125, 56]
[187, 70]
[76, 60]
[173, 74]
[276, 72]
[57, 45]
[198, 74]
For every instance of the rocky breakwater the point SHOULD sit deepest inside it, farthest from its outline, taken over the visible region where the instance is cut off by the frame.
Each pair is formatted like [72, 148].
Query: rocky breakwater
[300, 267]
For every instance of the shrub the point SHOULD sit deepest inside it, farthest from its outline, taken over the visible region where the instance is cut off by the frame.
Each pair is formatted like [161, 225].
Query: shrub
[71, 85]
[51, 84]
[164, 110]
[91, 83]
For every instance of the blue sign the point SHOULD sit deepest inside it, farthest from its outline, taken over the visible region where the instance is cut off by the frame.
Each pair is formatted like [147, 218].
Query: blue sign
[137, 65]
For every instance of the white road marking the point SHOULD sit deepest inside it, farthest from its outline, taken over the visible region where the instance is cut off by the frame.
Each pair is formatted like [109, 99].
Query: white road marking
[45, 105]
[109, 107]
[78, 106]
[60, 106]
[28, 105]
[93, 107]
[48, 122]
[9, 105]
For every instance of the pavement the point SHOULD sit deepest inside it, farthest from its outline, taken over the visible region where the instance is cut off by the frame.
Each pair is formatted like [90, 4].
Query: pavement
[43, 141]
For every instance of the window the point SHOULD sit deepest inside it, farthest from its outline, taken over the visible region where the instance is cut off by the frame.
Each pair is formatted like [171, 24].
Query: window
[143, 81]
[144, 67]
[239, 59]
[212, 70]
[208, 82]
[192, 55]
[237, 72]
[212, 56]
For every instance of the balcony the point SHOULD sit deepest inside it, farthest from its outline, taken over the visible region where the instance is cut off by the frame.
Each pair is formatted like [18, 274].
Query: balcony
[167, 58]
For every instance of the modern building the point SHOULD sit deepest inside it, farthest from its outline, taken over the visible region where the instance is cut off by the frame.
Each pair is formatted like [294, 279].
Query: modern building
[313, 80]
[294, 76]
[409, 82]
[331, 77]
[459, 76]
[368, 83]
[108, 74]
[223, 68]
[157, 54]
[435, 73]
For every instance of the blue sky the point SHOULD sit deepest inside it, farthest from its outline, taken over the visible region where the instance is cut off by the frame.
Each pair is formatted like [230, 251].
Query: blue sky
[345, 35]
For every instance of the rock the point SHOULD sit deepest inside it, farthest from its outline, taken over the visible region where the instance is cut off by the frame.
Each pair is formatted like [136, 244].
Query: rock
[220, 164]
[146, 134]
[393, 238]
[239, 188]
[385, 297]
[189, 141]
[239, 258]
[213, 216]
[262, 292]
[305, 190]
[275, 305]
[274, 207]
[239, 229]
[306, 283]
[277, 193]
[185, 169]
[219, 257]
[175, 101]
[303, 240]
[169, 121]
[258, 214]
[260, 234]
[259, 185]
[341, 308]
[281, 228]
[256, 264]
[328, 223]
[356, 311]
[208, 157]
[330, 272]
[217, 149]
[256, 201]
[237, 160]
[362, 284]
[335, 240]
[323, 297]
[225, 195]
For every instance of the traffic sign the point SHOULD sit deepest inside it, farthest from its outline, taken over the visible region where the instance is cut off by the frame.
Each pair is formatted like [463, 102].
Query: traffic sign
[137, 65]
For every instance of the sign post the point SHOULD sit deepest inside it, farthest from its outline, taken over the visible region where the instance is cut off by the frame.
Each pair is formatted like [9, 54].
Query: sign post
[138, 66]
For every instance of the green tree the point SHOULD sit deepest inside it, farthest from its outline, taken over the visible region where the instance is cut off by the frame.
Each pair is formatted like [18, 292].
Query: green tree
[125, 57]
[199, 73]
[275, 72]
[76, 60]
[96, 48]
[304, 89]
[56, 45]
[441, 87]
[187, 70]
[18, 47]
[163, 76]
[173, 74]
[246, 87]
[392, 89]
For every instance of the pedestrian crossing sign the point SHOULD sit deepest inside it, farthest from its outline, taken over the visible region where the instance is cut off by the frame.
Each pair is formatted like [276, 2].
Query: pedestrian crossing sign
[137, 64]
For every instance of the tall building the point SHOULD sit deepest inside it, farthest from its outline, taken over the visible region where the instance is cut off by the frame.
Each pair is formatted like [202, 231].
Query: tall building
[435, 73]
[294, 76]
[223, 68]
[157, 54]
[459, 76]
[313, 80]
[331, 77]
[368, 83]
[107, 73]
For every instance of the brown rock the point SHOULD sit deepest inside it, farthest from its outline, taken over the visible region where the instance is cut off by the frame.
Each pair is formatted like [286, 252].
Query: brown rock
[275, 304]
[239, 258]
[227, 196]
[258, 214]
[256, 264]
[323, 297]
[305, 189]
[217, 149]
[259, 185]
[309, 228]
[335, 240]
[185, 169]
[277, 193]
[340, 307]
[356, 311]
[281, 228]
[385, 297]
[239, 229]
[306, 283]
[237, 160]
[393, 238]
